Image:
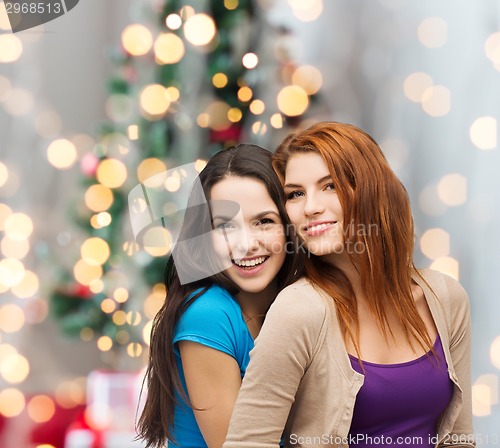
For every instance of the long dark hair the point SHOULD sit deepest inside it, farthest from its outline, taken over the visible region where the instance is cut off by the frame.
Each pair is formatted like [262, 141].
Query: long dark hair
[374, 201]
[162, 377]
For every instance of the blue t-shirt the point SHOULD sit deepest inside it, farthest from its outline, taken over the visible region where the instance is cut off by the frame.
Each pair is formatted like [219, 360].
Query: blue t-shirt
[214, 319]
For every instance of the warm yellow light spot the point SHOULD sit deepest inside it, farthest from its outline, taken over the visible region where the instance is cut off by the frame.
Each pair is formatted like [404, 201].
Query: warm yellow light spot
[18, 226]
[137, 39]
[27, 287]
[12, 272]
[133, 132]
[11, 46]
[436, 101]
[217, 112]
[11, 402]
[306, 11]
[41, 408]
[119, 317]
[157, 241]
[492, 49]
[6, 350]
[259, 128]
[495, 352]
[293, 100]
[14, 368]
[108, 305]
[245, 94]
[433, 32]
[483, 133]
[134, 318]
[234, 114]
[151, 172]
[219, 80]
[98, 198]
[199, 29]
[257, 107]
[95, 251]
[104, 343]
[200, 164]
[309, 78]
[130, 248]
[172, 183]
[4, 174]
[146, 332]
[446, 265]
[4, 18]
[435, 243]
[481, 400]
[111, 173]
[452, 189]
[120, 295]
[277, 121]
[154, 100]
[415, 85]
[5, 212]
[250, 60]
[86, 334]
[69, 394]
[173, 93]
[203, 120]
[96, 285]
[14, 248]
[173, 21]
[231, 4]
[169, 48]
[19, 101]
[134, 349]
[153, 303]
[85, 273]
[100, 220]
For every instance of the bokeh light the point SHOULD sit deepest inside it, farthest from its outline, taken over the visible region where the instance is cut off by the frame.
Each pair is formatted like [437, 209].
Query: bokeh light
[306, 11]
[452, 189]
[14, 368]
[111, 173]
[309, 78]
[11, 402]
[137, 39]
[250, 60]
[173, 21]
[11, 46]
[98, 198]
[433, 32]
[95, 251]
[199, 29]
[483, 133]
[495, 352]
[27, 287]
[415, 85]
[293, 100]
[85, 273]
[19, 101]
[4, 174]
[62, 154]
[11, 318]
[151, 172]
[436, 101]
[41, 408]
[446, 265]
[435, 243]
[157, 241]
[169, 48]
[154, 100]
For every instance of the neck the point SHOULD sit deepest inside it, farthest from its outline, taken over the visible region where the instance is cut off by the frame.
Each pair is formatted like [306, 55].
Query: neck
[255, 304]
[344, 263]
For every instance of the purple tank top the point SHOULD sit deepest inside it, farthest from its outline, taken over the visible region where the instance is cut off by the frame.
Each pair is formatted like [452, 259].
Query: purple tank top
[399, 405]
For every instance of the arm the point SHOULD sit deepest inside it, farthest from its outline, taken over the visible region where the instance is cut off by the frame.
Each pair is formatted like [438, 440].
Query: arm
[213, 380]
[284, 348]
[460, 347]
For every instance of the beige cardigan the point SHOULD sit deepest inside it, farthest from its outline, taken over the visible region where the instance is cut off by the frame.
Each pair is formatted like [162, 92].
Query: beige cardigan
[300, 377]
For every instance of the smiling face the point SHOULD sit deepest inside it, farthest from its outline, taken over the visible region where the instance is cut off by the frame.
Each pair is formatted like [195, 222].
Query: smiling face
[248, 227]
[313, 205]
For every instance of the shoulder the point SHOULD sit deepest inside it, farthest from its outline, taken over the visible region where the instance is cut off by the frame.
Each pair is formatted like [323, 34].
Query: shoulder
[213, 304]
[448, 291]
[301, 301]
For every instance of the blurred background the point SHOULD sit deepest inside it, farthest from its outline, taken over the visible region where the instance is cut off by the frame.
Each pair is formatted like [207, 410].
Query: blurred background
[116, 91]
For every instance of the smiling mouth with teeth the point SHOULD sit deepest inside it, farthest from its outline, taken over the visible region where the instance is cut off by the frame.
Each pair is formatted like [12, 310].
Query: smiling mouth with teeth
[250, 263]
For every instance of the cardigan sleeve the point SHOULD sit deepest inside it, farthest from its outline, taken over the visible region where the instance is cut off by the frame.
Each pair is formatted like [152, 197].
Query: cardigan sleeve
[283, 350]
[461, 434]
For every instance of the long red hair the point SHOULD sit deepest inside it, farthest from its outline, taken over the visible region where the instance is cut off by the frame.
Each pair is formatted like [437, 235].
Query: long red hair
[378, 224]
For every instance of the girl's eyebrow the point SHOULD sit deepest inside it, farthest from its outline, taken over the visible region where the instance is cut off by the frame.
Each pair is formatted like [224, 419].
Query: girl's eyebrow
[267, 212]
[319, 181]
